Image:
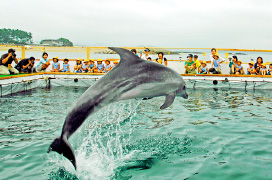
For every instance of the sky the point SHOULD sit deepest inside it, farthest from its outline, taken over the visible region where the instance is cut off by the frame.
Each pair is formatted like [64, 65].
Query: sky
[243, 24]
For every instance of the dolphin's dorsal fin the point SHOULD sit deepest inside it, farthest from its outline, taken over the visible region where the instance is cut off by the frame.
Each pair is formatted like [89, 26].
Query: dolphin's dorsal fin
[169, 99]
[125, 55]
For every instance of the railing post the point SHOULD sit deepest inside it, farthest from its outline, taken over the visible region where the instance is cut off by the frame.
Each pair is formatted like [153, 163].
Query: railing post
[88, 53]
[23, 52]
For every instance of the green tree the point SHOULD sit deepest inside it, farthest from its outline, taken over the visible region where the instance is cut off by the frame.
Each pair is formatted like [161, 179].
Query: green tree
[65, 42]
[15, 36]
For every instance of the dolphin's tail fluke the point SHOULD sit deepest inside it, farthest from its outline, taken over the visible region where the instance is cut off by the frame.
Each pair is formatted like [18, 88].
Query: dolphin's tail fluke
[62, 146]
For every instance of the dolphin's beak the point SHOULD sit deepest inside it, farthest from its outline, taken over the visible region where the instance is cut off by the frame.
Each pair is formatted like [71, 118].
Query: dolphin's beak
[185, 96]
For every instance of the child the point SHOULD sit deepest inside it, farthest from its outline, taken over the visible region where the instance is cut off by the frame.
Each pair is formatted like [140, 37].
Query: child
[203, 68]
[100, 66]
[77, 67]
[269, 71]
[85, 65]
[189, 64]
[216, 65]
[55, 65]
[91, 66]
[107, 66]
[197, 62]
[193, 69]
[114, 64]
[263, 69]
[43, 63]
[239, 67]
[66, 67]
[149, 59]
[251, 70]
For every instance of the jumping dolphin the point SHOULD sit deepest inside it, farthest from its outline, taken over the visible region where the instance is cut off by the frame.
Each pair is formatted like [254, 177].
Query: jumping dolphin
[131, 78]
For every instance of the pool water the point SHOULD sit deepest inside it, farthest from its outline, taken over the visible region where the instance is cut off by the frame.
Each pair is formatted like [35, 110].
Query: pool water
[215, 134]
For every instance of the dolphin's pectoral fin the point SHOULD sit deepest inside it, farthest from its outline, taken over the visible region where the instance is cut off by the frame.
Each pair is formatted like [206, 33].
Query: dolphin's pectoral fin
[62, 146]
[169, 99]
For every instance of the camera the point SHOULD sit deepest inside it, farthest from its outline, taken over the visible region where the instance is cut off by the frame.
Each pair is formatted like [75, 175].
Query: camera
[13, 54]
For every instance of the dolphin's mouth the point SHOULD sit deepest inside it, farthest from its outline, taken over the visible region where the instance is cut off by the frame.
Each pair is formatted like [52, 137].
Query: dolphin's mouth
[185, 96]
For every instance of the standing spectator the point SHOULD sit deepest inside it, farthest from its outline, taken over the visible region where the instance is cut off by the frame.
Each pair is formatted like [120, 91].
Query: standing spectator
[55, 65]
[258, 65]
[66, 66]
[5, 63]
[251, 69]
[214, 52]
[146, 54]
[189, 63]
[43, 63]
[26, 65]
[161, 59]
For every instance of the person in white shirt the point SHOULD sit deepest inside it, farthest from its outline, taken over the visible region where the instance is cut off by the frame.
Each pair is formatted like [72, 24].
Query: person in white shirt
[146, 54]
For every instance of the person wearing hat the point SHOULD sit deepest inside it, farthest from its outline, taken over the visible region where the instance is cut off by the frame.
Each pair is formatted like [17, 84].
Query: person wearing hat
[189, 64]
[203, 68]
[85, 66]
[216, 65]
[239, 67]
[77, 67]
[26, 65]
[114, 64]
[91, 66]
[251, 70]
[269, 71]
[263, 69]
[100, 66]
[213, 53]
[55, 65]
[5, 63]
[146, 54]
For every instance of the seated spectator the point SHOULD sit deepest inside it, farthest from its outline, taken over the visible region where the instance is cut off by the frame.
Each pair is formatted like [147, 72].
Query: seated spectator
[114, 64]
[5, 63]
[43, 63]
[216, 65]
[108, 67]
[203, 68]
[55, 65]
[192, 70]
[100, 66]
[258, 65]
[263, 69]
[77, 67]
[91, 66]
[26, 65]
[198, 64]
[239, 67]
[85, 66]
[146, 54]
[233, 65]
[269, 71]
[66, 67]
[135, 52]
[161, 59]
[149, 59]
[251, 69]
[189, 63]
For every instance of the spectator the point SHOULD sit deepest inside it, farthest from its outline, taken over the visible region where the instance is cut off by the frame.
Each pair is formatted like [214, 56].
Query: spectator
[216, 66]
[85, 66]
[269, 71]
[66, 66]
[26, 65]
[193, 69]
[91, 66]
[100, 66]
[149, 59]
[233, 65]
[77, 67]
[213, 51]
[203, 68]
[108, 67]
[239, 67]
[5, 63]
[263, 69]
[146, 54]
[189, 63]
[258, 65]
[251, 69]
[135, 52]
[197, 62]
[161, 59]
[43, 63]
[55, 65]
[114, 64]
